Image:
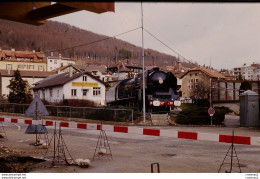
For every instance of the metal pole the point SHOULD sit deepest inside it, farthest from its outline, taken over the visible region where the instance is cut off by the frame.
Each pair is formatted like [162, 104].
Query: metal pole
[132, 116]
[210, 101]
[143, 63]
[232, 146]
[54, 143]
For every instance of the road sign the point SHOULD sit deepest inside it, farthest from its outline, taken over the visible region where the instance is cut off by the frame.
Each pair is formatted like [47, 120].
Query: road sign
[211, 111]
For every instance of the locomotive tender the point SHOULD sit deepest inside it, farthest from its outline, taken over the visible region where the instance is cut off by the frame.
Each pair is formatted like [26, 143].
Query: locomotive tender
[160, 90]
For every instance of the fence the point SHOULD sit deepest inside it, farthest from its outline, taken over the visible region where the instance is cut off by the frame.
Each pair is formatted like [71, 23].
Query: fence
[104, 114]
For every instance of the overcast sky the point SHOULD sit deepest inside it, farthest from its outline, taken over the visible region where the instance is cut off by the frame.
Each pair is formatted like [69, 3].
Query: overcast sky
[225, 34]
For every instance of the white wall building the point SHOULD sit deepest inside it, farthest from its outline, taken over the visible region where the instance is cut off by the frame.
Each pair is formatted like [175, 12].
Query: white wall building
[80, 85]
[57, 62]
[251, 72]
[30, 76]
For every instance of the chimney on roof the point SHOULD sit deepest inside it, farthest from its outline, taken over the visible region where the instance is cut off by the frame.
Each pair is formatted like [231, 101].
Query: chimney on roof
[13, 50]
[70, 71]
[52, 54]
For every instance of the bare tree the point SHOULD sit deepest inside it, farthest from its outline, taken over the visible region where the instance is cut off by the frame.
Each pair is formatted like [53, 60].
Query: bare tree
[200, 90]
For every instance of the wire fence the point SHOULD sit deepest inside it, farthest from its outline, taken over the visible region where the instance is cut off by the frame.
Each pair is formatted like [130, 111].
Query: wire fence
[104, 114]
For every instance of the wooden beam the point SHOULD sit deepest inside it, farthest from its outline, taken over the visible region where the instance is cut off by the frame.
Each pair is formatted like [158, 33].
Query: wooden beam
[49, 12]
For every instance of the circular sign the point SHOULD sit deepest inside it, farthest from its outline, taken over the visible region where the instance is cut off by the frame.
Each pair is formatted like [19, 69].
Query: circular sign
[211, 111]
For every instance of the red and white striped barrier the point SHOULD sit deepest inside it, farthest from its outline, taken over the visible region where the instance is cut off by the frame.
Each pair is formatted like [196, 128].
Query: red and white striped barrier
[143, 131]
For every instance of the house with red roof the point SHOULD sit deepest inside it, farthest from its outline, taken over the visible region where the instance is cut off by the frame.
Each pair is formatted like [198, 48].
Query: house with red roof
[22, 60]
[193, 77]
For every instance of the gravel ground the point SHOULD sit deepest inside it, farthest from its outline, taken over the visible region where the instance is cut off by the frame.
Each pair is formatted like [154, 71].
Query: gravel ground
[131, 153]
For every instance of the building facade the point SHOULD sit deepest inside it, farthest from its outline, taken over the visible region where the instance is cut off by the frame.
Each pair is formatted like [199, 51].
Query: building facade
[192, 78]
[57, 62]
[31, 77]
[22, 60]
[251, 72]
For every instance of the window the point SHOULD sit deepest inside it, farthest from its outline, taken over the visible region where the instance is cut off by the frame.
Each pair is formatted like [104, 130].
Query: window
[96, 91]
[24, 66]
[196, 74]
[196, 80]
[50, 60]
[31, 59]
[55, 61]
[40, 59]
[84, 78]
[50, 92]
[31, 67]
[9, 58]
[9, 66]
[73, 92]
[58, 93]
[25, 59]
[190, 74]
[85, 92]
[40, 68]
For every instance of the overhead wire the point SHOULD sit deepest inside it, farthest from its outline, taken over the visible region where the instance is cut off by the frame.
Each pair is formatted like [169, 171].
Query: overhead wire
[168, 46]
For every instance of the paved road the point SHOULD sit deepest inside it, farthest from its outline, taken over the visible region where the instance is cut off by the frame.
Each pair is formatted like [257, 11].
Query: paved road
[135, 153]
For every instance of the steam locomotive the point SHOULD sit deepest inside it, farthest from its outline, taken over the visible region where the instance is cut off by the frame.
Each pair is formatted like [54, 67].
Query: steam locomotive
[160, 90]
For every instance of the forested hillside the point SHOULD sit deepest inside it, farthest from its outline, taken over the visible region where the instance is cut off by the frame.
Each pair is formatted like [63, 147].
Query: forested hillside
[55, 35]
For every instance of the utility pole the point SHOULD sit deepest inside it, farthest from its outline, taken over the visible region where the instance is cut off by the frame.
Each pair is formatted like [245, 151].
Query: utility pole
[210, 100]
[143, 63]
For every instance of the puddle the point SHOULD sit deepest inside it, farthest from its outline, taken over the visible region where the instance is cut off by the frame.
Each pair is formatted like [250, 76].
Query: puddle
[169, 155]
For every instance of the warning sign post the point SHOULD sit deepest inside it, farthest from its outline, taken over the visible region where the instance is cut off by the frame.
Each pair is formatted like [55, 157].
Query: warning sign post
[211, 112]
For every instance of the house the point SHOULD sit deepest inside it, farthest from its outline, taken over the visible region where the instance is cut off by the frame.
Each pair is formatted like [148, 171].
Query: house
[228, 74]
[30, 76]
[193, 77]
[73, 84]
[100, 71]
[122, 71]
[54, 62]
[251, 72]
[22, 60]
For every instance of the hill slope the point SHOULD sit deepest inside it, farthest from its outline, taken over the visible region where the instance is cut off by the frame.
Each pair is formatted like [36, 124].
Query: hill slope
[55, 35]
